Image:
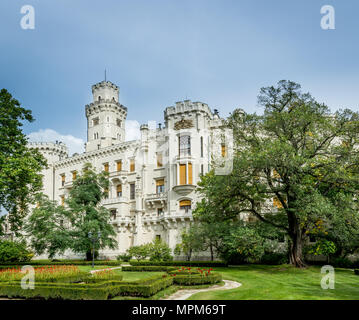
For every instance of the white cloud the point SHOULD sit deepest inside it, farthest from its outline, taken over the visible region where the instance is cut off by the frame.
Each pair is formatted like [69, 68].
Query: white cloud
[48, 135]
[132, 130]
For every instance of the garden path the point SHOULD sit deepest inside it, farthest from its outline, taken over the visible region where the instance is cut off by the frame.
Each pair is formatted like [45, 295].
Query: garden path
[185, 294]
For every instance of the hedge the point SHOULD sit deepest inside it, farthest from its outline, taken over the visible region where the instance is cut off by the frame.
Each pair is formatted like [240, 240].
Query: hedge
[356, 271]
[180, 263]
[79, 291]
[64, 262]
[190, 280]
[148, 268]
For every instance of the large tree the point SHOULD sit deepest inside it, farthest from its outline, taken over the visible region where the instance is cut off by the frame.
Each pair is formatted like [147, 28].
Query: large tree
[293, 166]
[53, 228]
[20, 167]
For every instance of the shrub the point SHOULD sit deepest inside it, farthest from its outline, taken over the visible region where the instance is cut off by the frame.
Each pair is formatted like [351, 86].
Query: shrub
[12, 251]
[148, 268]
[340, 262]
[180, 263]
[139, 252]
[191, 280]
[274, 258]
[159, 251]
[124, 257]
[356, 271]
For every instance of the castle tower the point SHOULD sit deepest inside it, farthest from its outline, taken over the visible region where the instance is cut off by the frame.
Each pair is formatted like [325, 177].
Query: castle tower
[105, 117]
[52, 152]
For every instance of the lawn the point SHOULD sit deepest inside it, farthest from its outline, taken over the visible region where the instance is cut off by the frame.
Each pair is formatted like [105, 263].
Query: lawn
[127, 276]
[283, 282]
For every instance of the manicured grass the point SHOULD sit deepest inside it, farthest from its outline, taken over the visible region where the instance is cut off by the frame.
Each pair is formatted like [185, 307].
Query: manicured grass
[134, 276]
[89, 268]
[283, 283]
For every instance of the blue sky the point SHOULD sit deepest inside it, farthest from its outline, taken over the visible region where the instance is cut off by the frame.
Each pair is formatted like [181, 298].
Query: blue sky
[163, 51]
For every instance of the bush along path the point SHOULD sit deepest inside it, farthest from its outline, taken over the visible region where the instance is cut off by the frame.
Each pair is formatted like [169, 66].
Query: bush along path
[185, 294]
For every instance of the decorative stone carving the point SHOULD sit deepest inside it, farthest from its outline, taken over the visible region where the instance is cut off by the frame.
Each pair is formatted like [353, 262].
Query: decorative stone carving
[183, 124]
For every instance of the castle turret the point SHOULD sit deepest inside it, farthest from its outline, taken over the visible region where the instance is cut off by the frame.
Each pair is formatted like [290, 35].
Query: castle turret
[105, 117]
[52, 152]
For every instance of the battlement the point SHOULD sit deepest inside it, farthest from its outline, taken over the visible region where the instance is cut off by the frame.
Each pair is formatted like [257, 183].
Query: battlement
[58, 148]
[105, 84]
[188, 106]
[103, 105]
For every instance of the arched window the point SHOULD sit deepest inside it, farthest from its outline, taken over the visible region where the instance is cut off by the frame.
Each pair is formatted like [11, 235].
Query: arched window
[185, 205]
[99, 98]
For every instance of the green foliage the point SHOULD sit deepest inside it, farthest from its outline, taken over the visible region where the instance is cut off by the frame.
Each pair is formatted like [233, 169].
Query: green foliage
[301, 155]
[53, 229]
[193, 240]
[242, 241]
[274, 258]
[147, 268]
[323, 247]
[124, 257]
[14, 252]
[139, 252]
[180, 263]
[90, 291]
[20, 177]
[159, 251]
[356, 271]
[191, 280]
[156, 251]
[65, 262]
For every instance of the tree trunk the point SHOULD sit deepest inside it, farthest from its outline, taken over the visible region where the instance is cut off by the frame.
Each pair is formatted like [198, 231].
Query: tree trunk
[296, 245]
[189, 254]
[89, 255]
[211, 248]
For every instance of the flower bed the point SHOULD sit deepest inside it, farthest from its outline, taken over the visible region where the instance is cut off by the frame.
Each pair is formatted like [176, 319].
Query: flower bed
[46, 274]
[64, 262]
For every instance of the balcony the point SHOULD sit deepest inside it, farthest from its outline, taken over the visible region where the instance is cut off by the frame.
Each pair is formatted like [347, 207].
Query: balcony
[184, 189]
[124, 220]
[154, 198]
[112, 201]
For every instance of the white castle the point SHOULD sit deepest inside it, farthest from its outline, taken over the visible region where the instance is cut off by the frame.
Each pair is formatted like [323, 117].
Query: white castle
[152, 180]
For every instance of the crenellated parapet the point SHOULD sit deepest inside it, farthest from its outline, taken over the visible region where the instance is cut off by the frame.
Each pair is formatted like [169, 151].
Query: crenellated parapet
[58, 149]
[106, 105]
[187, 106]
